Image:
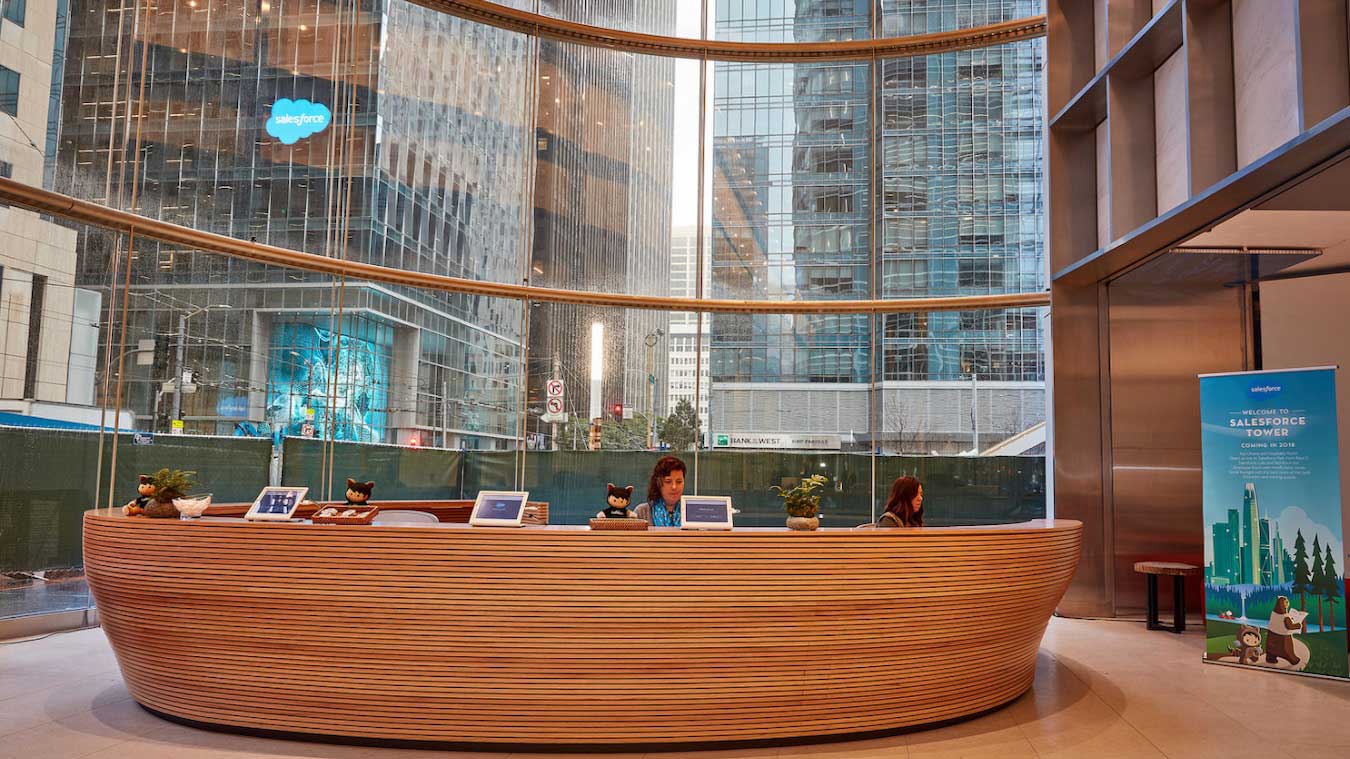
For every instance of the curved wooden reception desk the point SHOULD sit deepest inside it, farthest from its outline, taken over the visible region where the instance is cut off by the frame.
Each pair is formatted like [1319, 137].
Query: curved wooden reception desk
[563, 635]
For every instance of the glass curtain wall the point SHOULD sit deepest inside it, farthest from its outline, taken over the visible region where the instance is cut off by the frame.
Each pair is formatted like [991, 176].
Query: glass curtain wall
[381, 132]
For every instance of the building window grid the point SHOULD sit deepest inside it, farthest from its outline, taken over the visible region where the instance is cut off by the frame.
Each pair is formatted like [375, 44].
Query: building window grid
[13, 11]
[984, 143]
[9, 91]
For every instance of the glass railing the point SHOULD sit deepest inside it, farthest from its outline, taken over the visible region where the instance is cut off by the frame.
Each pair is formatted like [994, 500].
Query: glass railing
[51, 478]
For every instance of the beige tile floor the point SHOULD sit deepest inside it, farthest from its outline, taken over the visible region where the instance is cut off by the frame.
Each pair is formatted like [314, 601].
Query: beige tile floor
[1104, 690]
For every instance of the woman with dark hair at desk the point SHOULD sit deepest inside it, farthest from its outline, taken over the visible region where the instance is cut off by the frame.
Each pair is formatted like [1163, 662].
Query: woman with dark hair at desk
[904, 507]
[662, 508]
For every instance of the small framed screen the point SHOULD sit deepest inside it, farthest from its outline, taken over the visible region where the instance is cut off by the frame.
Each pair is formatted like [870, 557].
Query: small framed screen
[276, 504]
[705, 512]
[498, 508]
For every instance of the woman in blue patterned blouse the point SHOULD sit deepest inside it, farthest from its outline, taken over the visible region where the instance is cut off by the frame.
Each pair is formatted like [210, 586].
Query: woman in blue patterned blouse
[662, 508]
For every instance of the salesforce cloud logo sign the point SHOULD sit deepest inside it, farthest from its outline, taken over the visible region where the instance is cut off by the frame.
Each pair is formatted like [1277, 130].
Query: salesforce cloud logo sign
[294, 120]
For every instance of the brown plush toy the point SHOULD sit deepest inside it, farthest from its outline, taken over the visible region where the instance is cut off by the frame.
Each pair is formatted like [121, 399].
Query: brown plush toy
[145, 494]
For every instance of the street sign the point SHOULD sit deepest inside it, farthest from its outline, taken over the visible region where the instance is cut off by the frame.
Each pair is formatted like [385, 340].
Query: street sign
[554, 418]
[555, 405]
[177, 426]
[142, 438]
[554, 388]
[307, 429]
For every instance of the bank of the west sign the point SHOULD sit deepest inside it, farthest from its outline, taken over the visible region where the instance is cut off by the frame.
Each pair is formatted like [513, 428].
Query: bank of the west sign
[777, 440]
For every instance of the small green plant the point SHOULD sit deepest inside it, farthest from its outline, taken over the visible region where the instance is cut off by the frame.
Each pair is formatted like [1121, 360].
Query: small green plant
[172, 483]
[799, 500]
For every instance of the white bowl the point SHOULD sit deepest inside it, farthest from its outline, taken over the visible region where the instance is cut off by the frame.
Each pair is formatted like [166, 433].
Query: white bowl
[192, 506]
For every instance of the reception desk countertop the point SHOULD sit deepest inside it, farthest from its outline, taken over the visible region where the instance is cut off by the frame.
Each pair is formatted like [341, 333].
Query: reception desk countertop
[560, 634]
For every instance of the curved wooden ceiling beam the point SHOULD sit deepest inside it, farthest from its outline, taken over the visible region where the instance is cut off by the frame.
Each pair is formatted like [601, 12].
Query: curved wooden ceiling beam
[517, 20]
[125, 222]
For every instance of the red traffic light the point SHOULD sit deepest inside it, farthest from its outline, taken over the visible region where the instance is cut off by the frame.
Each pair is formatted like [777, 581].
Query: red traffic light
[618, 410]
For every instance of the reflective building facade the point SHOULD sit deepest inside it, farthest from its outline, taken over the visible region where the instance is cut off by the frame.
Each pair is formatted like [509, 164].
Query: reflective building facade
[423, 165]
[958, 211]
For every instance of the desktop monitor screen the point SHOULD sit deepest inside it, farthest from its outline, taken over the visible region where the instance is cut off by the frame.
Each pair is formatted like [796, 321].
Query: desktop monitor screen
[499, 508]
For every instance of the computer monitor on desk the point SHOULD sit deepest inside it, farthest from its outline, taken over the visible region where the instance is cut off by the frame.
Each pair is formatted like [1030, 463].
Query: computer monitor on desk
[705, 512]
[498, 508]
[276, 504]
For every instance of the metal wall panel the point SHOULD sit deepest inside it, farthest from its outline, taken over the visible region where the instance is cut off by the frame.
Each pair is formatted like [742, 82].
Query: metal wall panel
[1078, 427]
[1162, 334]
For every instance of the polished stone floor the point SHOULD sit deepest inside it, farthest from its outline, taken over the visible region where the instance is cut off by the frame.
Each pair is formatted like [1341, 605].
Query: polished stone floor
[1105, 690]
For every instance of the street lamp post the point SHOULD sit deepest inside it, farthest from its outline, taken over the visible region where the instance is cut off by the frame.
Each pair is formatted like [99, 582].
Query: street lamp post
[178, 360]
[651, 339]
[974, 414]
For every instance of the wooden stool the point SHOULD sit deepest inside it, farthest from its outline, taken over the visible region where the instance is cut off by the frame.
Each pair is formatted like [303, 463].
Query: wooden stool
[1151, 569]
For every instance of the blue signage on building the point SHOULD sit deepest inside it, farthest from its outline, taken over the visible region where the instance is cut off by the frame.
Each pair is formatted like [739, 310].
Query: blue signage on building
[294, 120]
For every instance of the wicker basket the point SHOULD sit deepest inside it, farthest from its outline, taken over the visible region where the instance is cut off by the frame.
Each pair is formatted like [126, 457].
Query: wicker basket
[608, 523]
[364, 515]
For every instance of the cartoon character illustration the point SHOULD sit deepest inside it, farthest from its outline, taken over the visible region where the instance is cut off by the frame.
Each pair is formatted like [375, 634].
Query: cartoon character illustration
[618, 500]
[1284, 622]
[358, 493]
[145, 493]
[1246, 646]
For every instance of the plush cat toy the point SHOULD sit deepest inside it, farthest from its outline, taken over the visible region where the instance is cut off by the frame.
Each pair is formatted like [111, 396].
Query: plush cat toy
[358, 493]
[618, 500]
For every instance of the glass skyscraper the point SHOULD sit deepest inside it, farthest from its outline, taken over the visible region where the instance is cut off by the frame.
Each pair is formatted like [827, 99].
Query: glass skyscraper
[419, 156]
[955, 202]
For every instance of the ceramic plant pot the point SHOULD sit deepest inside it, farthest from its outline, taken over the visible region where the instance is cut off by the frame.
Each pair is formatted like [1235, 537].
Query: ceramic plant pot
[803, 523]
[161, 510]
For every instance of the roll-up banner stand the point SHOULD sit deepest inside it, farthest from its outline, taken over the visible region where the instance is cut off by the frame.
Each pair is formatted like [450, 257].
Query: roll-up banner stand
[1274, 537]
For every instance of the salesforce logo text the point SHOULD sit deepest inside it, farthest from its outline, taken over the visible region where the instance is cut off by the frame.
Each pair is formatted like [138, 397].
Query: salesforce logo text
[1266, 389]
[294, 120]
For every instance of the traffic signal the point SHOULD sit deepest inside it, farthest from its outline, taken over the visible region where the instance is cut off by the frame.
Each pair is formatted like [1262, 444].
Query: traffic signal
[617, 409]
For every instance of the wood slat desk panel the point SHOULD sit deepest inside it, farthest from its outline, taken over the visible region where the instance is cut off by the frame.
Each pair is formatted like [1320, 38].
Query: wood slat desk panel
[563, 635]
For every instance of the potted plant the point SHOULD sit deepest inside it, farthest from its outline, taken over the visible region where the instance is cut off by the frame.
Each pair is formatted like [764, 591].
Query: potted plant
[168, 485]
[802, 503]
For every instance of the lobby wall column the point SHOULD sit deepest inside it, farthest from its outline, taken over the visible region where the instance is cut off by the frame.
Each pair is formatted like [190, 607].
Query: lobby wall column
[1081, 426]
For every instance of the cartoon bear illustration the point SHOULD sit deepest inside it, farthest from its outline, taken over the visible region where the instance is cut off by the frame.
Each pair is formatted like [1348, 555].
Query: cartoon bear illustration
[1280, 633]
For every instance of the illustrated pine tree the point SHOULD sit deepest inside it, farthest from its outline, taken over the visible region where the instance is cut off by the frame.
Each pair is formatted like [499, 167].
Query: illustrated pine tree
[1317, 580]
[1331, 585]
[1302, 579]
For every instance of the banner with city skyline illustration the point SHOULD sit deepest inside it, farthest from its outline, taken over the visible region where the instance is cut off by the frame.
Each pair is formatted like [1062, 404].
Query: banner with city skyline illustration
[1274, 550]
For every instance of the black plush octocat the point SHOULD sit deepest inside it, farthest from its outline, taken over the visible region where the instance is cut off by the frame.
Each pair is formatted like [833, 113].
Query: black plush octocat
[618, 500]
[358, 493]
